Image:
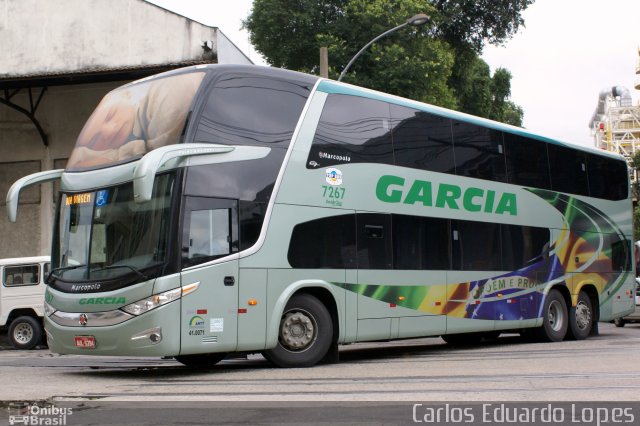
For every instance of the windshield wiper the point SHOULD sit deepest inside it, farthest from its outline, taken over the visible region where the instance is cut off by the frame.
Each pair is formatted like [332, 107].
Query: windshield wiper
[63, 268]
[136, 270]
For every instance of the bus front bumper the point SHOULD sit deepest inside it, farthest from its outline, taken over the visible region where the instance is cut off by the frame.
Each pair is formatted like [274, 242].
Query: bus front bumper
[154, 333]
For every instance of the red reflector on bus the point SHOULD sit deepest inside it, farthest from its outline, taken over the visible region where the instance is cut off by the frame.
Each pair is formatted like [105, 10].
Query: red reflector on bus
[437, 303]
[242, 310]
[392, 305]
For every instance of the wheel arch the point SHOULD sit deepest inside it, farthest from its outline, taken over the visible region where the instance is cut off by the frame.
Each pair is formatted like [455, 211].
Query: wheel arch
[22, 312]
[322, 291]
[591, 291]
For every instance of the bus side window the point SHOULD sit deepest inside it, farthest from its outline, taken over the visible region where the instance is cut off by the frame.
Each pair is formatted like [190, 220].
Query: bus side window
[329, 242]
[479, 152]
[420, 243]
[608, 178]
[421, 140]
[568, 169]
[527, 161]
[253, 110]
[374, 241]
[352, 129]
[210, 230]
[477, 246]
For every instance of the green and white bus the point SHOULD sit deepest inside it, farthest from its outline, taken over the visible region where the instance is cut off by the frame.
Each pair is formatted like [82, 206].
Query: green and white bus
[219, 209]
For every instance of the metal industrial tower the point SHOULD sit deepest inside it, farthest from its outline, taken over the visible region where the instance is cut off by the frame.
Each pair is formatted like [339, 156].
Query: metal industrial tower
[616, 122]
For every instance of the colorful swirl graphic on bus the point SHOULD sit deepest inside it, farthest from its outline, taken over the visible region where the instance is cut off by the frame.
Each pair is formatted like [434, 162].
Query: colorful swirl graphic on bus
[589, 249]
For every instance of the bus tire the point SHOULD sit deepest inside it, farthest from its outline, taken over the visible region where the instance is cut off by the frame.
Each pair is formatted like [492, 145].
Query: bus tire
[25, 332]
[555, 318]
[581, 318]
[201, 360]
[304, 335]
[619, 322]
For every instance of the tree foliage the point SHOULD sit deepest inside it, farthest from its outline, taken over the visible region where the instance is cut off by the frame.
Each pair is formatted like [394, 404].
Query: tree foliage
[436, 63]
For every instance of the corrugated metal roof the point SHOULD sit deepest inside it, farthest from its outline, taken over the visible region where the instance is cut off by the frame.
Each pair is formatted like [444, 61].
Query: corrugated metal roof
[91, 75]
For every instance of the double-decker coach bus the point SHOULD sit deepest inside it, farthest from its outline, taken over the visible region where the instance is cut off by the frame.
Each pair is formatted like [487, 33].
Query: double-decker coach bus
[219, 209]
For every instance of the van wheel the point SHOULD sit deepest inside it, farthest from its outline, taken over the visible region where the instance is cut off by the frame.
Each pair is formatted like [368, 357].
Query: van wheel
[581, 318]
[305, 333]
[25, 332]
[555, 318]
[619, 322]
[201, 360]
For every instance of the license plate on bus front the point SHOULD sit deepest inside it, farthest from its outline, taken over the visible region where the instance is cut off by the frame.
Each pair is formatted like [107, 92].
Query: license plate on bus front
[86, 342]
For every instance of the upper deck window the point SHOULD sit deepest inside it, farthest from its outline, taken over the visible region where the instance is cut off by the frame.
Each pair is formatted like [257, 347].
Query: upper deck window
[135, 119]
[252, 110]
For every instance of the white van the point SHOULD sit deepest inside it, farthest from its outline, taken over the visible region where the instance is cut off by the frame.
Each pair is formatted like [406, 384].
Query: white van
[22, 299]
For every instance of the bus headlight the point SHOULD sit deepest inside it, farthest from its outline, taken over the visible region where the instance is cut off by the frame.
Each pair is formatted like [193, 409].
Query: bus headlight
[145, 305]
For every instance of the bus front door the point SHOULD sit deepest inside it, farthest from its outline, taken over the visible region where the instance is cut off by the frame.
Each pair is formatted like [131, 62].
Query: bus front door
[210, 312]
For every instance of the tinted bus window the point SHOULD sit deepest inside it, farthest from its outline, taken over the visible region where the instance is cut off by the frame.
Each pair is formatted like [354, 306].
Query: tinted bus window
[422, 140]
[352, 130]
[479, 152]
[608, 178]
[527, 162]
[420, 243]
[522, 245]
[568, 170]
[251, 219]
[251, 110]
[324, 243]
[374, 241]
[476, 246]
[250, 180]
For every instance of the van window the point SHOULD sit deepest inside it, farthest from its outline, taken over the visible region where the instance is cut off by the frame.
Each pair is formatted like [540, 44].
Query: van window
[21, 275]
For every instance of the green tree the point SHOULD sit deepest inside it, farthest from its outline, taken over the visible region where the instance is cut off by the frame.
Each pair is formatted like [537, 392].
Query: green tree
[436, 63]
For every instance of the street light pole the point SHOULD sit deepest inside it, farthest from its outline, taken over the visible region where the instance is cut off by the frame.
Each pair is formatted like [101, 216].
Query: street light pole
[416, 21]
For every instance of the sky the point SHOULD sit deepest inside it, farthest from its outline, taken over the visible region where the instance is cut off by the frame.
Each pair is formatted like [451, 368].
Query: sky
[567, 53]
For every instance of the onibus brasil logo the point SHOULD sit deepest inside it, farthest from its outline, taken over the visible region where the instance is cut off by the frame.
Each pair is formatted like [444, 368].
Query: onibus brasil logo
[27, 414]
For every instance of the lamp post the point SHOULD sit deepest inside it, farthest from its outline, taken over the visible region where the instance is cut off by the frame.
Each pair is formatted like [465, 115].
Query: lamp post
[416, 21]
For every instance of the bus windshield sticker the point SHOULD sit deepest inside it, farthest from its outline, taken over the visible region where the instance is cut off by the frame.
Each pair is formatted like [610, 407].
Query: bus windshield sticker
[75, 199]
[101, 198]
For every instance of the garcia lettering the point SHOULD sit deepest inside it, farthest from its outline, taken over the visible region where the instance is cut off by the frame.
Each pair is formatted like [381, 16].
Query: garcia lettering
[393, 189]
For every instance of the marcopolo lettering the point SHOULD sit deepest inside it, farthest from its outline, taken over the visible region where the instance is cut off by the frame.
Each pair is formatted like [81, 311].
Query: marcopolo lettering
[103, 301]
[393, 189]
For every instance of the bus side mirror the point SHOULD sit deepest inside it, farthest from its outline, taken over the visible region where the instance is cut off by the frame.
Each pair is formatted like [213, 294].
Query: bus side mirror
[165, 158]
[14, 192]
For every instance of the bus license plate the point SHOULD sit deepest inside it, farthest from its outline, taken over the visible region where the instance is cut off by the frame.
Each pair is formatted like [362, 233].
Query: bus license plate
[86, 342]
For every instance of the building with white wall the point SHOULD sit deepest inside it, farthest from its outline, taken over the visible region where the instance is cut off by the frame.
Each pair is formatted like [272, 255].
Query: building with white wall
[58, 60]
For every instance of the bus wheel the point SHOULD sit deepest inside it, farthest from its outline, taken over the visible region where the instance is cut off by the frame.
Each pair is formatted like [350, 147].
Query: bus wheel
[201, 360]
[555, 318]
[25, 332]
[581, 318]
[619, 322]
[305, 333]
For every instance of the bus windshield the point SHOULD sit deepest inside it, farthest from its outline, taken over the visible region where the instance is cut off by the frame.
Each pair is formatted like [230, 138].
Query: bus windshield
[103, 235]
[135, 119]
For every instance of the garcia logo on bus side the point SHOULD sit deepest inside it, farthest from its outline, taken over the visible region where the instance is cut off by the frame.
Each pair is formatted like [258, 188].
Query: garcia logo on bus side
[395, 189]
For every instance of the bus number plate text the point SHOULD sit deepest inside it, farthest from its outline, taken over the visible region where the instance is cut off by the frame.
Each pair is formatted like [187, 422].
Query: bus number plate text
[85, 342]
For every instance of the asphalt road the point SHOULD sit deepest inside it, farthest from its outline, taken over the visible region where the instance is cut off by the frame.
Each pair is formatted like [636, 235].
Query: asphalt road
[602, 368]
